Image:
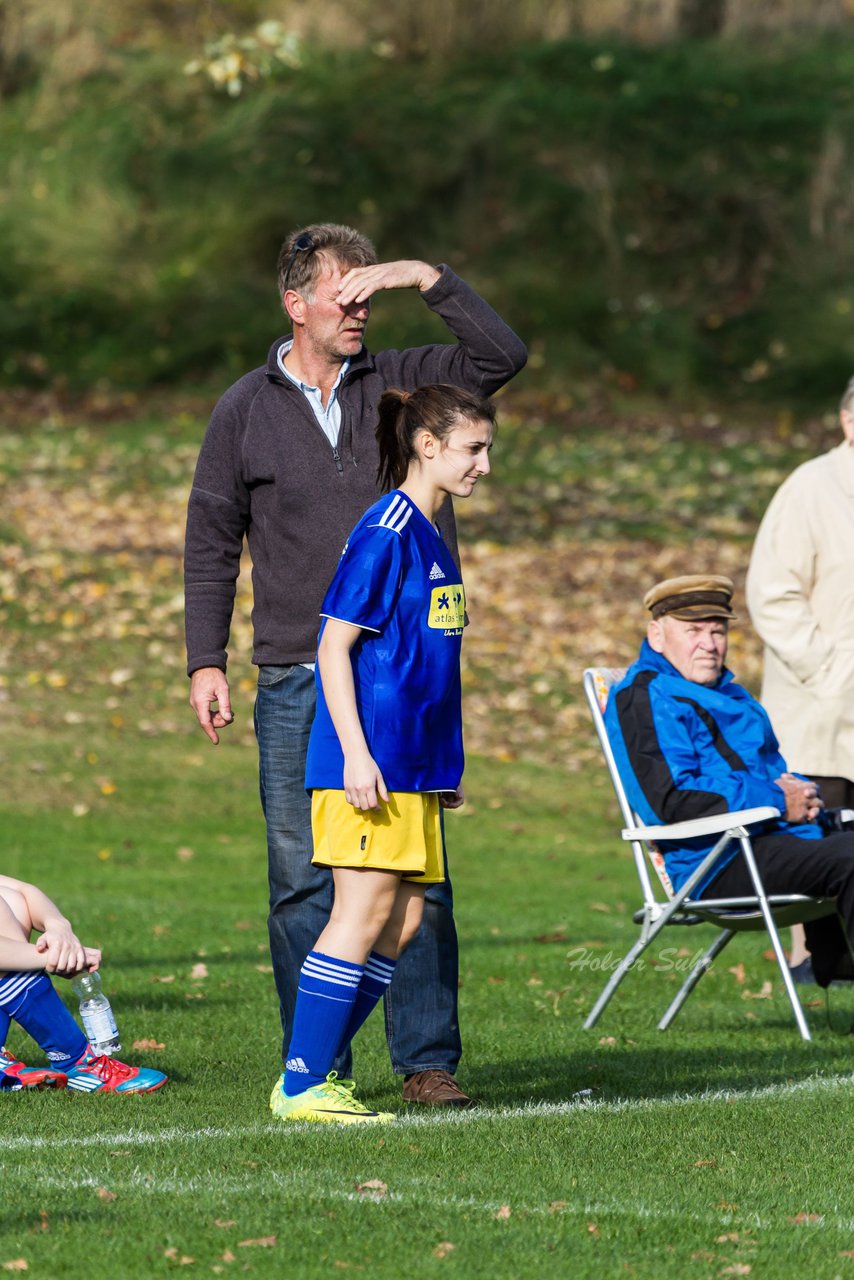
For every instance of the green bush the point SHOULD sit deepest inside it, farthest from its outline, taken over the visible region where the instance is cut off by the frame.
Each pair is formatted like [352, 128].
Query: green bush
[678, 217]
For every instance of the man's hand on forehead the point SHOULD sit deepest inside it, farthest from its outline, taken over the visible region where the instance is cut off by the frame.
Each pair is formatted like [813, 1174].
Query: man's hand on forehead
[360, 283]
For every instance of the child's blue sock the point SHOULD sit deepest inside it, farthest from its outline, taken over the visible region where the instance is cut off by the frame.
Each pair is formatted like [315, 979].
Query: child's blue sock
[4, 1026]
[325, 995]
[379, 971]
[30, 999]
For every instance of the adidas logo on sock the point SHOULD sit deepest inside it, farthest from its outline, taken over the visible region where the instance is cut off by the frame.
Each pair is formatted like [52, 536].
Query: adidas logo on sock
[436, 573]
[297, 1064]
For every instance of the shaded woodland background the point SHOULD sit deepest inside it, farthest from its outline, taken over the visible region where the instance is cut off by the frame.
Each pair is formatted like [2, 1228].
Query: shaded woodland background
[657, 193]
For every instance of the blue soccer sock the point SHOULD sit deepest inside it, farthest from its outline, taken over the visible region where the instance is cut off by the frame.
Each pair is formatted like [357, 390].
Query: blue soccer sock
[30, 999]
[4, 1025]
[379, 971]
[325, 995]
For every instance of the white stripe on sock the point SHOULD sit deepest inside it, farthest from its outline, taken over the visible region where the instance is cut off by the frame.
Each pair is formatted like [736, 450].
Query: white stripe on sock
[340, 976]
[15, 984]
[380, 970]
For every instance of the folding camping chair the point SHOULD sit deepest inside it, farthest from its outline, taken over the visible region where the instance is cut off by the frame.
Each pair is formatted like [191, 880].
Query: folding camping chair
[729, 915]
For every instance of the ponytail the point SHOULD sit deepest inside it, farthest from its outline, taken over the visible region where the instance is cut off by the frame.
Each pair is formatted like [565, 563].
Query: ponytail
[436, 408]
[395, 443]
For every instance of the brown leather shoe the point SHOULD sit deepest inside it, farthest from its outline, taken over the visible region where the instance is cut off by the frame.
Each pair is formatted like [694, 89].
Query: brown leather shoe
[436, 1088]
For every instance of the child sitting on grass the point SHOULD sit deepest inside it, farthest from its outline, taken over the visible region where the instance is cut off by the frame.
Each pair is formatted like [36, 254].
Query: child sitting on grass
[28, 997]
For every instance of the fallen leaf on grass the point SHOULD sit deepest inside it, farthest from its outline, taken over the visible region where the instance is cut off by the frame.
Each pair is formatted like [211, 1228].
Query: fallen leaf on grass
[228, 1256]
[225, 1222]
[503, 1213]
[847, 1253]
[737, 1269]
[167, 977]
[199, 971]
[148, 1044]
[608, 1040]
[600, 906]
[16, 1264]
[443, 1248]
[702, 1255]
[712, 1164]
[105, 1195]
[593, 1229]
[183, 1259]
[262, 1242]
[119, 1153]
[374, 1188]
[264, 968]
[552, 937]
[801, 1218]
[738, 973]
[729, 1237]
[557, 1206]
[495, 982]
[765, 993]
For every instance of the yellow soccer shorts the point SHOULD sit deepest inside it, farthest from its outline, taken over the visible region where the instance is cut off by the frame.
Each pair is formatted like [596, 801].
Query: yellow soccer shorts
[404, 835]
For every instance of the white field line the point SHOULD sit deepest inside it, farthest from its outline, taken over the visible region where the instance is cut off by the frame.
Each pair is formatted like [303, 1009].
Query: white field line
[433, 1118]
[305, 1185]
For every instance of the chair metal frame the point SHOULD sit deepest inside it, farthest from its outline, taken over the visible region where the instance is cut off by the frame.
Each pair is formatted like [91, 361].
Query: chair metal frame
[729, 915]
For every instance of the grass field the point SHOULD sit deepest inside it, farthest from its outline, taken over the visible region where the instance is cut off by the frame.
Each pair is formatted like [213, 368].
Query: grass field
[720, 1148]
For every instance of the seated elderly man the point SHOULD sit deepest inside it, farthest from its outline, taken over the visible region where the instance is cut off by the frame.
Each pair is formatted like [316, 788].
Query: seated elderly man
[690, 742]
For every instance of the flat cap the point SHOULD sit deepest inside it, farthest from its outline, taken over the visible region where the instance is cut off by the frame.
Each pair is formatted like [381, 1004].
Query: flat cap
[693, 596]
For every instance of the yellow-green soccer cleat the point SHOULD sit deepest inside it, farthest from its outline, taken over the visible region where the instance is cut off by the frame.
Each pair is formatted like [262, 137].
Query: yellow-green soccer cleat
[329, 1103]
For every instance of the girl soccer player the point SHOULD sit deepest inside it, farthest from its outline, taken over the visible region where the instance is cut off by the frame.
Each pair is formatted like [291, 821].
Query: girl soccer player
[386, 746]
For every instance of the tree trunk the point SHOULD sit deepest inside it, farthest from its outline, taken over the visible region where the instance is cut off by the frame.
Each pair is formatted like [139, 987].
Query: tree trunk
[700, 19]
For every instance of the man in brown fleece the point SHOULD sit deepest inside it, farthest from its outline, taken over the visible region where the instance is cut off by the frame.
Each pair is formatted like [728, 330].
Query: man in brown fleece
[289, 462]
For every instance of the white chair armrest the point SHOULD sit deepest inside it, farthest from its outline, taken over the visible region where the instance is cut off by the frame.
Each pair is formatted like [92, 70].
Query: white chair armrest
[714, 825]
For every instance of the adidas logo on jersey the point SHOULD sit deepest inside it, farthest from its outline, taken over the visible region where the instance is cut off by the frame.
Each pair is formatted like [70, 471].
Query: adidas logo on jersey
[297, 1064]
[436, 572]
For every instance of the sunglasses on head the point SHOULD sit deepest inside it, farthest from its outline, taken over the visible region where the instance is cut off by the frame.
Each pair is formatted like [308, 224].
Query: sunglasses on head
[302, 244]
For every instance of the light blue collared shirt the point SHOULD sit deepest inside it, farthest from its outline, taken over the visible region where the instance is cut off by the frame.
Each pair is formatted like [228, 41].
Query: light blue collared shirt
[328, 419]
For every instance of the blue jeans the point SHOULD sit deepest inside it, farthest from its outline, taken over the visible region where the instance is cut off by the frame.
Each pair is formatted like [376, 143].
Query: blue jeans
[421, 1003]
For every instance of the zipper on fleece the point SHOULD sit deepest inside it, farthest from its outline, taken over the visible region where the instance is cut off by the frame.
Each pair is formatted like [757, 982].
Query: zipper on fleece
[339, 463]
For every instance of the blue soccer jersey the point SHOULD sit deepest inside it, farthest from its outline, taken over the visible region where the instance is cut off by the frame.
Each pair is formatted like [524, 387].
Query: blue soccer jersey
[397, 581]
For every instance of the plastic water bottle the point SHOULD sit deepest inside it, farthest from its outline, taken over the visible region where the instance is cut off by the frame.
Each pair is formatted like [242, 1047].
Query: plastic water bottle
[96, 1014]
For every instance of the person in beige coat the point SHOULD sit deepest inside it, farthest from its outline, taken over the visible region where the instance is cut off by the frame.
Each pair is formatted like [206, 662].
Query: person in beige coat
[800, 593]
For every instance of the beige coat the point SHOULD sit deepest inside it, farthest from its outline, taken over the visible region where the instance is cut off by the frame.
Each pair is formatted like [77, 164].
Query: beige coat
[800, 592]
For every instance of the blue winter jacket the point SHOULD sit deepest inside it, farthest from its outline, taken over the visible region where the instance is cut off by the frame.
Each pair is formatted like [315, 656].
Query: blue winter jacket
[686, 750]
